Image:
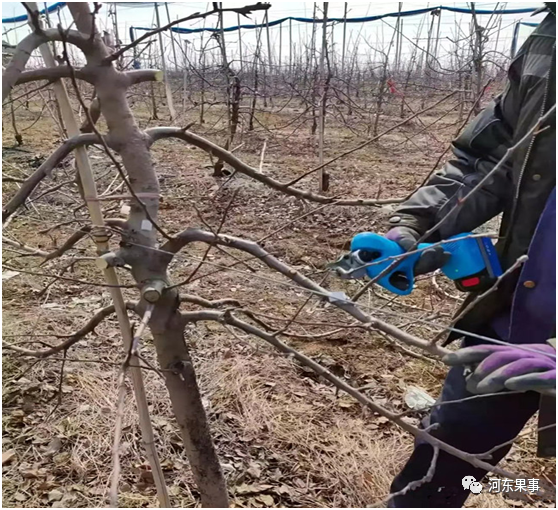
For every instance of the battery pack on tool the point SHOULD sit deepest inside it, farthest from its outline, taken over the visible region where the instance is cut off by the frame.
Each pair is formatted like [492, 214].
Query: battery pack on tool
[473, 264]
[485, 278]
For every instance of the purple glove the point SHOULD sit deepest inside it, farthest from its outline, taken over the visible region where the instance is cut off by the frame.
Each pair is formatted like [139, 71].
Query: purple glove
[430, 259]
[502, 367]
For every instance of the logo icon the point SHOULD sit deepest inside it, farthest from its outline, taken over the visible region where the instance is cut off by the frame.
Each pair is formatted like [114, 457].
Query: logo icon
[470, 483]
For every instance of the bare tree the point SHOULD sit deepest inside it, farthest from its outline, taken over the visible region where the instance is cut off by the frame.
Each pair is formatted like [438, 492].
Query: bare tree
[147, 249]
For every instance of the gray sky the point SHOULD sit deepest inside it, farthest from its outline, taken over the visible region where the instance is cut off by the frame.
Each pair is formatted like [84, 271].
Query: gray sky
[371, 35]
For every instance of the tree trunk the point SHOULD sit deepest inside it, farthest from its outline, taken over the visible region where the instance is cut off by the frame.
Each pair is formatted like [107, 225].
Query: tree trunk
[167, 327]
[149, 267]
[323, 176]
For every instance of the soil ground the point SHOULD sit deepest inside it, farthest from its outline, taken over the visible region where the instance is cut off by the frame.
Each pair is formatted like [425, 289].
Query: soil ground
[285, 438]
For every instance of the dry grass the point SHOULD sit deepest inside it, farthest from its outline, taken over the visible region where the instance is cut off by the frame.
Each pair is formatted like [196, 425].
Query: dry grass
[324, 448]
[284, 437]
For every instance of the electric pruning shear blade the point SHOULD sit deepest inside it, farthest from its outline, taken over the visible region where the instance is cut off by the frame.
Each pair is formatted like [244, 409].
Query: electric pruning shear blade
[473, 264]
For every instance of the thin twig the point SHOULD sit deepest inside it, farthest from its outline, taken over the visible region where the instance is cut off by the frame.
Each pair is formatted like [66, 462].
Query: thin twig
[71, 339]
[75, 280]
[463, 200]
[206, 253]
[227, 317]
[369, 141]
[242, 10]
[415, 484]
[489, 453]
[519, 262]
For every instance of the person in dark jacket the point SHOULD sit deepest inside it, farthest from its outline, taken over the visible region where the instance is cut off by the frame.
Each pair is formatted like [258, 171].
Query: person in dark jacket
[522, 309]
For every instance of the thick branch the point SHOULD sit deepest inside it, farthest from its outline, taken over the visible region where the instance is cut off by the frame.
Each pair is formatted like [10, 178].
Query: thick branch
[226, 317]
[69, 243]
[217, 303]
[240, 166]
[44, 170]
[51, 74]
[92, 117]
[343, 302]
[26, 47]
[142, 75]
[74, 337]
[24, 247]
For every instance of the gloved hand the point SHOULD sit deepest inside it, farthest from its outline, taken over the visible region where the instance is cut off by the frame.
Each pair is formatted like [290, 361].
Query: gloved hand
[499, 367]
[430, 259]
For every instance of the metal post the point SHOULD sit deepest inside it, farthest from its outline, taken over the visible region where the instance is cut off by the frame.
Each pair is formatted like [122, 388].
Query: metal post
[343, 49]
[398, 31]
[172, 38]
[435, 54]
[322, 174]
[240, 42]
[280, 46]
[168, 90]
[290, 47]
[268, 43]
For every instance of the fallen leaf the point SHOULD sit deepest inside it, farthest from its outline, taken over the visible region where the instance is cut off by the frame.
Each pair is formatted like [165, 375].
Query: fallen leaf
[301, 483]
[57, 306]
[8, 275]
[346, 403]
[32, 473]
[146, 476]
[46, 485]
[55, 495]
[517, 503]
[245, 488]
[284, 490]
[97, 491]
[254, 470]
[62, 458]
[175, 490]
[54, 446]
[8, 456]
[267, 500]
[69, 499]
[19, 496]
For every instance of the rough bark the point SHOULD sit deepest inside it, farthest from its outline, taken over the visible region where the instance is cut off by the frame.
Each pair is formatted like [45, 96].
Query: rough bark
[240, 166]
[167, 327]
[149, 266]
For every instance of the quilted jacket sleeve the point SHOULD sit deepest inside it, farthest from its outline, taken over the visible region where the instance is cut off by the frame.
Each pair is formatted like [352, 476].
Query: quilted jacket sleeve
[475, 153]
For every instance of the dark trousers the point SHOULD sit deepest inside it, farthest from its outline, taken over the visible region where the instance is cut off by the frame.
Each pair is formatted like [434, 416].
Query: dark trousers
[474, 426]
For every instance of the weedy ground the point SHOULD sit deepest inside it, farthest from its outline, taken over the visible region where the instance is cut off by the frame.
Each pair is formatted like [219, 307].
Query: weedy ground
[285, 438]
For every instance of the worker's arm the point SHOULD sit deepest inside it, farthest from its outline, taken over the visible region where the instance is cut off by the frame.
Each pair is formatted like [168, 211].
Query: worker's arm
[476, 152]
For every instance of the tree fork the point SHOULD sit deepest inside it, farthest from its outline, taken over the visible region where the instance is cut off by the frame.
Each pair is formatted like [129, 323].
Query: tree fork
[148, 266]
